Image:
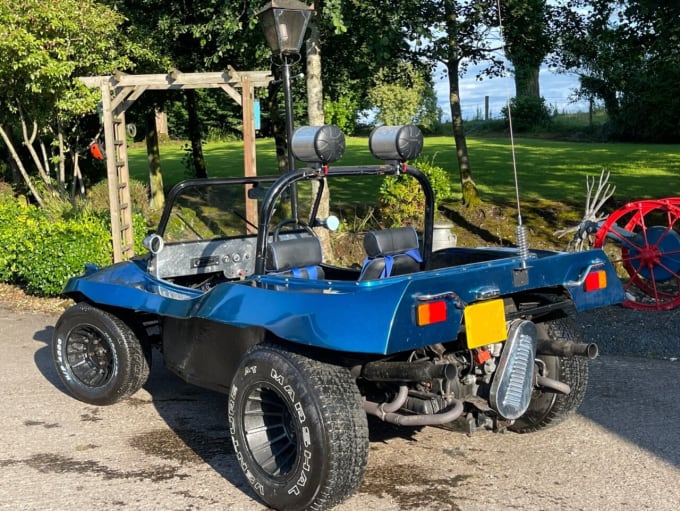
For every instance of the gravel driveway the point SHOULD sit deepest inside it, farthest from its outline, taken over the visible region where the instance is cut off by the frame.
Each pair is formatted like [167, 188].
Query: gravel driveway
[621, 331]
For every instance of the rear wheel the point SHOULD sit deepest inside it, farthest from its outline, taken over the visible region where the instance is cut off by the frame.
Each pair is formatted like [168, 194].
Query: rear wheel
[298, 427]
[97, 356]
[548, 408]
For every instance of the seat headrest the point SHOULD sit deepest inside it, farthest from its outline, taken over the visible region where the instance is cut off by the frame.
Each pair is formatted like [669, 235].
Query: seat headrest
[283, 255]
[390, 241]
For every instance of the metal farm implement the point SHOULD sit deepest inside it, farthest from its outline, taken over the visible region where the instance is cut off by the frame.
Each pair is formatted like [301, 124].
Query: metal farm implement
[642, 240]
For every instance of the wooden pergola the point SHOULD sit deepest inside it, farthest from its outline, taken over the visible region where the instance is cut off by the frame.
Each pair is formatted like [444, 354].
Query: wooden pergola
[119, 91]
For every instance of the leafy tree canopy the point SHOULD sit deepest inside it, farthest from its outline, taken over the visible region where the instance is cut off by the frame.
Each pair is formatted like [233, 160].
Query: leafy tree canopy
[628, 55]
[45, 45]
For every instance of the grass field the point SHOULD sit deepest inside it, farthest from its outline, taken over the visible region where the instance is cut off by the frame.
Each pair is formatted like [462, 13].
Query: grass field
[547, 169]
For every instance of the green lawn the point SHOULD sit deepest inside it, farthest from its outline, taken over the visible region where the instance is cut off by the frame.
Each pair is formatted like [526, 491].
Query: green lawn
[547, 169]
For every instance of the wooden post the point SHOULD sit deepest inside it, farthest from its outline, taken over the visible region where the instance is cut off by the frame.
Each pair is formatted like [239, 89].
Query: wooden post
[486, 108]
[111, 171]
[249, 152]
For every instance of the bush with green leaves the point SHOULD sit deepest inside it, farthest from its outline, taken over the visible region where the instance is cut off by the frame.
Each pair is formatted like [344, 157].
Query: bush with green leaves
[343, 112]
[10, 211]
[44, 247]
[401, 200]
[52, 251]
[527, 113]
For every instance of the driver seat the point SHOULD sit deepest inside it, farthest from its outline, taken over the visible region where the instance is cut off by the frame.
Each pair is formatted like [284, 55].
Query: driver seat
[391, 252]
[295, 257]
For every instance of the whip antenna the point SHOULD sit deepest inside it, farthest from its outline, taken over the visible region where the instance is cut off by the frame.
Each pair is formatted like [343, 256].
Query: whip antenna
[520, 230]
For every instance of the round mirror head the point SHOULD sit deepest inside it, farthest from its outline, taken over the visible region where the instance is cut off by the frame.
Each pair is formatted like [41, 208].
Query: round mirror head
[332, 223]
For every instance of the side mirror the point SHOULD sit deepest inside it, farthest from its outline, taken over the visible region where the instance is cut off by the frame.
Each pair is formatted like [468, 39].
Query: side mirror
[153, 243]
[332, 223]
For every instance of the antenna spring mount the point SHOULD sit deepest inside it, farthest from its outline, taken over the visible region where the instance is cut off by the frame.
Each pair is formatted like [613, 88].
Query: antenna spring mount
[522, 242]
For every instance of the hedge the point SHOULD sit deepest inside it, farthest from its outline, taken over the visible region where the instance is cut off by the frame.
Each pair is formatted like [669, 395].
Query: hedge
[41, 252]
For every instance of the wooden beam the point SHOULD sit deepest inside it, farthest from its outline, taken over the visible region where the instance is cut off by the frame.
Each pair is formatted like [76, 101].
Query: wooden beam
[111, 171]
[179, 80]
[233, 93]
[120, 95]
[125, 98]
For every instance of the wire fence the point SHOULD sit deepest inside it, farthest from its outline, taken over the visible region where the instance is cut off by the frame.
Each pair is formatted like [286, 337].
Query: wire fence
[491, 107]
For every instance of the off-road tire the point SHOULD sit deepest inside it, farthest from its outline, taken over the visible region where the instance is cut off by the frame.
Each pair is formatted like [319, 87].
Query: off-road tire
[549, 408]
[97, 356]
[298, 428]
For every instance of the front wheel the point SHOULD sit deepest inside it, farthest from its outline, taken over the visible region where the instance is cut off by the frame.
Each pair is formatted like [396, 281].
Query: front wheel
[298, 428]
[97, 356]
[548, 408]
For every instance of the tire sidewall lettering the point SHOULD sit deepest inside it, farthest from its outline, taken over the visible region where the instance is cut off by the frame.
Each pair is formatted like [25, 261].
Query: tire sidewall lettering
[251, 375]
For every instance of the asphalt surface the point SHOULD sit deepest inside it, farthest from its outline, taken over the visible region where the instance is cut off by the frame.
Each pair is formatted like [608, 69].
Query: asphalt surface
[168, 447]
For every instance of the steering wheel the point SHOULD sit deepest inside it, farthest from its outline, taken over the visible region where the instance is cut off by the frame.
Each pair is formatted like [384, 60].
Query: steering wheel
[291, 221]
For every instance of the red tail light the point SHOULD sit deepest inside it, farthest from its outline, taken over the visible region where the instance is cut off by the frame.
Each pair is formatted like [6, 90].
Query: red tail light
[431, 312]
[596, 280]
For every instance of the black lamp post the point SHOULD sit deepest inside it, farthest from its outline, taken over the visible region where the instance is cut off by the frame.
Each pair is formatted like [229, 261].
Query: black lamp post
[284, 23]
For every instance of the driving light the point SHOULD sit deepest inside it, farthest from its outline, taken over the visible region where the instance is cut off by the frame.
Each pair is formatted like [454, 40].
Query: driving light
[396, 143]
[318, 144]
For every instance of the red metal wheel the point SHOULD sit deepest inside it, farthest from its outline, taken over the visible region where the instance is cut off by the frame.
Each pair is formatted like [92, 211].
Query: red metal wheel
[642, 240]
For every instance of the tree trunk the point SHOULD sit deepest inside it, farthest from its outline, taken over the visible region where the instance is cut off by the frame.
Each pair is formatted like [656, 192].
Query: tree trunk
[77, 175]
[28, 143]
[467, 183]
[315, 117]
[194, 126]
[61, 172]
[315, 114]
[153, 155]
[526, 81]
[277, 124]
[162, 124]
[19, 165]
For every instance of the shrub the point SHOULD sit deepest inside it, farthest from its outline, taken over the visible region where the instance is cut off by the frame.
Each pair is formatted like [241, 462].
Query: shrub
[52, 251]
[527, 113]
[98, 198]
[44, 247]
[10, 211]
[342, 113]
[401, 200]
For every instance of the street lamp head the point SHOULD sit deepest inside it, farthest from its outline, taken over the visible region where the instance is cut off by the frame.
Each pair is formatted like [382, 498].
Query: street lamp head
[284, 23]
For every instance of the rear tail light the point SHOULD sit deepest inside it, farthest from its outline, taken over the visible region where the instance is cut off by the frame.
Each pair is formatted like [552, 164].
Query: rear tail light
[596, 280]
[431, 312]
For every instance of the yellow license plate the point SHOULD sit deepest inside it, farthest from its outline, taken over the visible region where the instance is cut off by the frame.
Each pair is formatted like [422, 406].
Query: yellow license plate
[485, 323]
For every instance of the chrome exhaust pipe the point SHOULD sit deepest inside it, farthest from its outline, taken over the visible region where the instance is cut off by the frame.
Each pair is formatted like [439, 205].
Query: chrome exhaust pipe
[567, 349]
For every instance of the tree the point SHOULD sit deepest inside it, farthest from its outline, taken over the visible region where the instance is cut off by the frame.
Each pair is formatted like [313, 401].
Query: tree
[362, 37]
[455, 33]
[627, 54]
[400, 94]
[198, 36]
[527, 42]
[44, 46]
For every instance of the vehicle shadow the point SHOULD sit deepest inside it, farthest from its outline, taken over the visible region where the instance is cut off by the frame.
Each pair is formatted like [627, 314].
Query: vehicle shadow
[43, 358]
[196, 417]
[636, 398]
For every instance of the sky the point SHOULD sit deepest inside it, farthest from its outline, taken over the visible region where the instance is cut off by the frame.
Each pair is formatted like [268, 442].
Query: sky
[555, 88]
